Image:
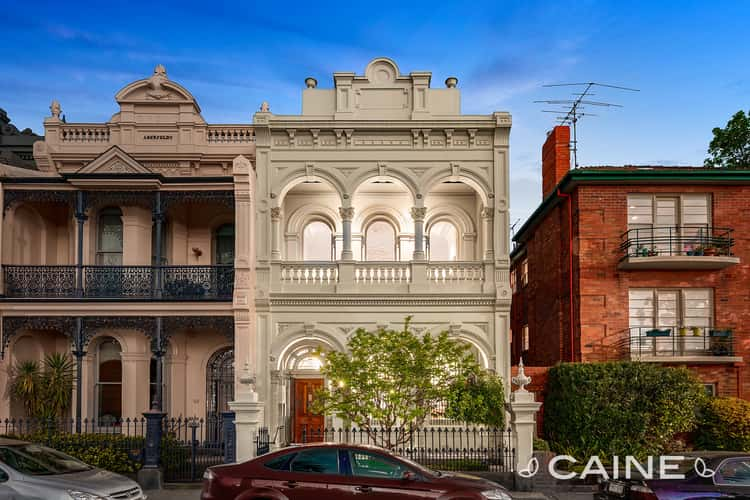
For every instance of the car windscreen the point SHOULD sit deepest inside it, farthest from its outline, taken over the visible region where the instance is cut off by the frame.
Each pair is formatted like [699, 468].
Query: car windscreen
[38, 460]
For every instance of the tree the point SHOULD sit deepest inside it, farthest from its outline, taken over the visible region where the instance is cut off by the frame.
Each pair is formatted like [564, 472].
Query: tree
[480, 399]
[46, 392]
[392, 379]
[730, 147]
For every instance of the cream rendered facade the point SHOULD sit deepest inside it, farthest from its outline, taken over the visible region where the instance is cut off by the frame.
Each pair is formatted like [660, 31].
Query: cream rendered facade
[381, 156]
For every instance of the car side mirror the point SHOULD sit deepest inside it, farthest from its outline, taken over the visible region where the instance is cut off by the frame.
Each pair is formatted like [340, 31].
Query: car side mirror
[409, 476]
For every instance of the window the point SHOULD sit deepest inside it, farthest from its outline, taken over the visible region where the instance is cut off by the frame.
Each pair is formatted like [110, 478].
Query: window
[109, 241]
[224, 245]
[368, 464]
[317, 242]
[734, 472]
[380, 242]
[525, 338]
[320, 461]
[280, 463]
[525, 272]
[513, 288]
[442, 242]
[668, 224]
[109, 381]
[710, 390]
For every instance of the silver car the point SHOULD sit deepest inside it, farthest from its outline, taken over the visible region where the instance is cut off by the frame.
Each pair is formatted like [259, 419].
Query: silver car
[33, 472]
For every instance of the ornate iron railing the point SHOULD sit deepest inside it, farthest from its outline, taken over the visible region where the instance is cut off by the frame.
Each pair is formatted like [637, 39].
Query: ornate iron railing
[120, 282]
[668, 342]
[677, 241]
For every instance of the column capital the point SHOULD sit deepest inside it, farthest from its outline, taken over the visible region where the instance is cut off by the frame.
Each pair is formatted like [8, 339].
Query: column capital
[418, 213]
[487, 213]
[275, 213]
[346, 213]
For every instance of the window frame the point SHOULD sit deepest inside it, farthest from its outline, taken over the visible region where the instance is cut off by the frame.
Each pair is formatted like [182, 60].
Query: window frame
[366, 245]
[331, 244]
[299, 453]
[724, 463]
[405, 467]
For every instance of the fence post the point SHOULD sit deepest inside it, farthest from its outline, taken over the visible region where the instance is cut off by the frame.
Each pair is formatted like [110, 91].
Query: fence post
[248, 417]
[523, 408]
[150, 476]
[230, 446]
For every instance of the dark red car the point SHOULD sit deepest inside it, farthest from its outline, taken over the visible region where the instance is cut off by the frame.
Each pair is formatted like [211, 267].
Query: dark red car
[340, 471]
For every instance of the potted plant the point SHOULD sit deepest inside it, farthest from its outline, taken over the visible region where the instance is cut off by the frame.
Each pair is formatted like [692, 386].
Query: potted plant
[698, 250]
[652, 252]
[709, 250]
[696, 331]
[683, 331]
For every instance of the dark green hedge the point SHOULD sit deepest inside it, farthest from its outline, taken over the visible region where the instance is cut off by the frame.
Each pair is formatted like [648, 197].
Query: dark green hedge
[623, 408]
[725, 425]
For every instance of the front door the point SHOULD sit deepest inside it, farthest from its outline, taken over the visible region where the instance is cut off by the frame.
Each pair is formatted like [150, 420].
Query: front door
[308, 426]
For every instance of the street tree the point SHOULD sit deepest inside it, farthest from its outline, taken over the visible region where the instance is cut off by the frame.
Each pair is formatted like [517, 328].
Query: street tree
[730, 147]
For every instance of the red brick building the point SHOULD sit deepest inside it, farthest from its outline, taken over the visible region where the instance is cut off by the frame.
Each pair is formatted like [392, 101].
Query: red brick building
[641, 263]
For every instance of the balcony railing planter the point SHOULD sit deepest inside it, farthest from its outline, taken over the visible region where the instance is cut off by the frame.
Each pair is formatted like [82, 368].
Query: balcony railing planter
[661, 344]
[120, 282]
[677, 247]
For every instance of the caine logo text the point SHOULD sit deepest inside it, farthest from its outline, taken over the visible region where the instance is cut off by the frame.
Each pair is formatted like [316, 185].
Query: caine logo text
[662, 467]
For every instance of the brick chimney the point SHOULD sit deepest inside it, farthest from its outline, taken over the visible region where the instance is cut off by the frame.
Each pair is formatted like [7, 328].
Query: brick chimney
[555, 158]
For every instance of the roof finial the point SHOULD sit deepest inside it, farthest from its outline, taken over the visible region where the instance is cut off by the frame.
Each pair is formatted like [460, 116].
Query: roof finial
[156, 83]
[521, 379]
[55, 109]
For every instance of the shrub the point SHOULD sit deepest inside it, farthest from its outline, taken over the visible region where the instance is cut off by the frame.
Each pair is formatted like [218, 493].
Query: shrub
[479, 399]
[623, 408]
[540, 445]
[725, 425]
[112, 452]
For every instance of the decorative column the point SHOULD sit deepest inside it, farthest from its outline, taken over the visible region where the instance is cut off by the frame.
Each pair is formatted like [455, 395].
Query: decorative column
[417, 214]
[158, 348]
[248, 416]
[487, 214]
[523, 409]
[79, 351]
[81, 217]
[150, 475]
[158, 220]
[275, 234]
[347, 214]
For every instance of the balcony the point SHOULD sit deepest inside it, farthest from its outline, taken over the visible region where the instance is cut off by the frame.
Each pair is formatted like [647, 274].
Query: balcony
[169, 283]
[677, 247]
[382, 277]
[678, 345]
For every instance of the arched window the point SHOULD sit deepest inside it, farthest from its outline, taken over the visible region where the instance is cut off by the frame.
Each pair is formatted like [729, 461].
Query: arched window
[317, 241]
[224, 245]
[109, 381]
[219, 384]
[380, 242]
[443, 241]
[109, 241]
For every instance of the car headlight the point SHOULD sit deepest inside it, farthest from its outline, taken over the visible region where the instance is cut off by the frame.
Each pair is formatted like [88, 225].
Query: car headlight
[208, 475]
[82, 495]
[496, 495]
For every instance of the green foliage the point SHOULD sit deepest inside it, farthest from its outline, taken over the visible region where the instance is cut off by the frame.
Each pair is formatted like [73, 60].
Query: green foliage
[730, 147]
[46, 393]
[393, 379]
[540, 445]
[112, 452]
[623, 408]
[725, 425]
[479, 399]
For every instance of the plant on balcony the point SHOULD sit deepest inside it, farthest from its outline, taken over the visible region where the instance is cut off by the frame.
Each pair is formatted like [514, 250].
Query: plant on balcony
[696, 331]
[725, 425]
[623, 408]
[683, 331]
[394, 379]
[710, 251]
[46, 392]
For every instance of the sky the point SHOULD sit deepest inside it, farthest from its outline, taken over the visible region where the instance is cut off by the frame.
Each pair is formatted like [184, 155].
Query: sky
[689, 60]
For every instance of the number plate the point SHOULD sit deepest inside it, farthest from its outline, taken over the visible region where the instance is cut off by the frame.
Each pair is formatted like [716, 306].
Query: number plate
[616, 488]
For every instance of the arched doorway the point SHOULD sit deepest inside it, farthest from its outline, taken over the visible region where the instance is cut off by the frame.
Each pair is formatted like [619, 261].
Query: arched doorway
[219, 389]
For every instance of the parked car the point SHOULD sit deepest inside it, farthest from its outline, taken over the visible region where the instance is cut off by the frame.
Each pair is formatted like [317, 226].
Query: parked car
[32, 472]
[730, 480]
[340, 471]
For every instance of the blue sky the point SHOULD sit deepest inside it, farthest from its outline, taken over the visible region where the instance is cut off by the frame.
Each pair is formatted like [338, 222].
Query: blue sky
[688, 58]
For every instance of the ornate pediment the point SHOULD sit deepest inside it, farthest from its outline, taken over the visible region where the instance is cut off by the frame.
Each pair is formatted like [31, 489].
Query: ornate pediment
[114, 161]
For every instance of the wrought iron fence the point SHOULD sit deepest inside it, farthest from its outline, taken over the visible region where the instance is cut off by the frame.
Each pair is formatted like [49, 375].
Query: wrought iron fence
[444, 448]
[677, 240]
[262, 441]
[190, 446]
[126, 435]
[121, 282]
[650, 342]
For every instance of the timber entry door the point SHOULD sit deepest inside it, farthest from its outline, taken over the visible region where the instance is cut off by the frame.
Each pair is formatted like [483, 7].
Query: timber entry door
[307, 426]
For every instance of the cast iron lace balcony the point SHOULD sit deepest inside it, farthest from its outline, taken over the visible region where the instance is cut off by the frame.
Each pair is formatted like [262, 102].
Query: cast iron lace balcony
[120, 282]
[677, 247]
[668, 343]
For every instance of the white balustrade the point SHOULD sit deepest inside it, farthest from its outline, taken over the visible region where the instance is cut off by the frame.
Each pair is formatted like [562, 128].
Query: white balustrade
[309, 273]
[84, 133]
[450, 272]
[226, 135]
[382, 272]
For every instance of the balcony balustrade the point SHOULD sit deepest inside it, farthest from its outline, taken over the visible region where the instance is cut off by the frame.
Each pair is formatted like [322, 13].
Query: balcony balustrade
[381, 277]
[176, 283]
[673, 344]
[677, 247]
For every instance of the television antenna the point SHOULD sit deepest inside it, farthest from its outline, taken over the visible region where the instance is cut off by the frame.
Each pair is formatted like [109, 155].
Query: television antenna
[572, 110]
